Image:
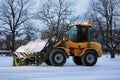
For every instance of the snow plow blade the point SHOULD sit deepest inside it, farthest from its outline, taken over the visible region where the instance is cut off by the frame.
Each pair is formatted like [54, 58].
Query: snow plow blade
[27, 58]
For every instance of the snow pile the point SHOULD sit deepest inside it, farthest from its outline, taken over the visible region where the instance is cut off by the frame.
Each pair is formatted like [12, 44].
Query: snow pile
[32, 46]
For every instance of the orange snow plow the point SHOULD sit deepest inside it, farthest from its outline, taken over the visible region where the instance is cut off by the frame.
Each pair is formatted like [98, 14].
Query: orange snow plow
[78, 45]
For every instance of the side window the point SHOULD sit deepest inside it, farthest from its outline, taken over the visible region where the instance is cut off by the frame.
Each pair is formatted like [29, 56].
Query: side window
[82, 34]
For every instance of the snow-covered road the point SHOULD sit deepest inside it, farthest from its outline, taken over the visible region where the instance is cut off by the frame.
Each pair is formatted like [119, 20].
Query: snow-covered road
[105, 69]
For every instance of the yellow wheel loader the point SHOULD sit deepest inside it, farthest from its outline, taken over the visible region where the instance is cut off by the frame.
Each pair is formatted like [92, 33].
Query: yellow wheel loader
[78, 45]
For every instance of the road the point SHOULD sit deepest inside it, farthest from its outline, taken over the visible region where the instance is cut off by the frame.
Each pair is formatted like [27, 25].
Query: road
[105, 69]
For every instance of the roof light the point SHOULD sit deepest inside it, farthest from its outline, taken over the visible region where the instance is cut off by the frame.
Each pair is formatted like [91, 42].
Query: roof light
[85, 23]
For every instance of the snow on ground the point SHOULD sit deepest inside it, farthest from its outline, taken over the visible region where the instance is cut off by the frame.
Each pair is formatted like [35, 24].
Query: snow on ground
[105, 69]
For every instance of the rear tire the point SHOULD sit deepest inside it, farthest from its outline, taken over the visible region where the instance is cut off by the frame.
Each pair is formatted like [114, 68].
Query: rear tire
[57, 57]
[89, 58]
[77, 60]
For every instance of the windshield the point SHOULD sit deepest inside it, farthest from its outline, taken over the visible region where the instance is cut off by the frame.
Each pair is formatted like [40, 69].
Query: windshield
[79, 34]
[72, 34]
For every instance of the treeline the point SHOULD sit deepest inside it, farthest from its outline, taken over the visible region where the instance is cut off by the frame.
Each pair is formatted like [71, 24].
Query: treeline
[18, 20]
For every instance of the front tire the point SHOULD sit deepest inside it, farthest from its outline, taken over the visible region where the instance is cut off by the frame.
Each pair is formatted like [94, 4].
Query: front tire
[57, 57]
[89, 58]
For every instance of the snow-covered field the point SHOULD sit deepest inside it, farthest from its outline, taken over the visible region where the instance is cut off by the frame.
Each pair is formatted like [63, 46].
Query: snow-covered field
[105, 69]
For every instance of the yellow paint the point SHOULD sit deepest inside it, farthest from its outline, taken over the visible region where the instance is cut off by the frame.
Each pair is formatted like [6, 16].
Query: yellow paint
[78, 49]
[16, 62]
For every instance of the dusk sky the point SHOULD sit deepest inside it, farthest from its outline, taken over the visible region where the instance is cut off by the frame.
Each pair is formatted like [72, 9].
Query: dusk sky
[81, 5]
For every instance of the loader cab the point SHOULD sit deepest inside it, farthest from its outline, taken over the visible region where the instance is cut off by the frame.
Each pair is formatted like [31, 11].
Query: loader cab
[79, 33]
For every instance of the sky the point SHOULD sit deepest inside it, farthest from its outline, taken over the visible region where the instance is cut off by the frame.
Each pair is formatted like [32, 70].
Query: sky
[80, 6]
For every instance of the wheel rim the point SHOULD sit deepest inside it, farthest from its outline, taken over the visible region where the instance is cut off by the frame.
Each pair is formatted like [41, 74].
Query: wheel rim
[59, 58]
[90, 58]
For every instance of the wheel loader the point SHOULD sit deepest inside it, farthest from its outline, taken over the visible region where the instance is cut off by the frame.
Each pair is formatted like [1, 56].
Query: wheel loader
[55, 53]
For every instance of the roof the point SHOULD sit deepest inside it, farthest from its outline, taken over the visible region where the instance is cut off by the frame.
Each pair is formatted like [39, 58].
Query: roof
[83, 24]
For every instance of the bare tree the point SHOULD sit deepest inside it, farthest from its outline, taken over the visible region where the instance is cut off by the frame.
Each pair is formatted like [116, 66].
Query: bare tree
[13, 13]
[5, 37]
[26, 33]
[31, 32]
[104, 15]
[55, 14]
